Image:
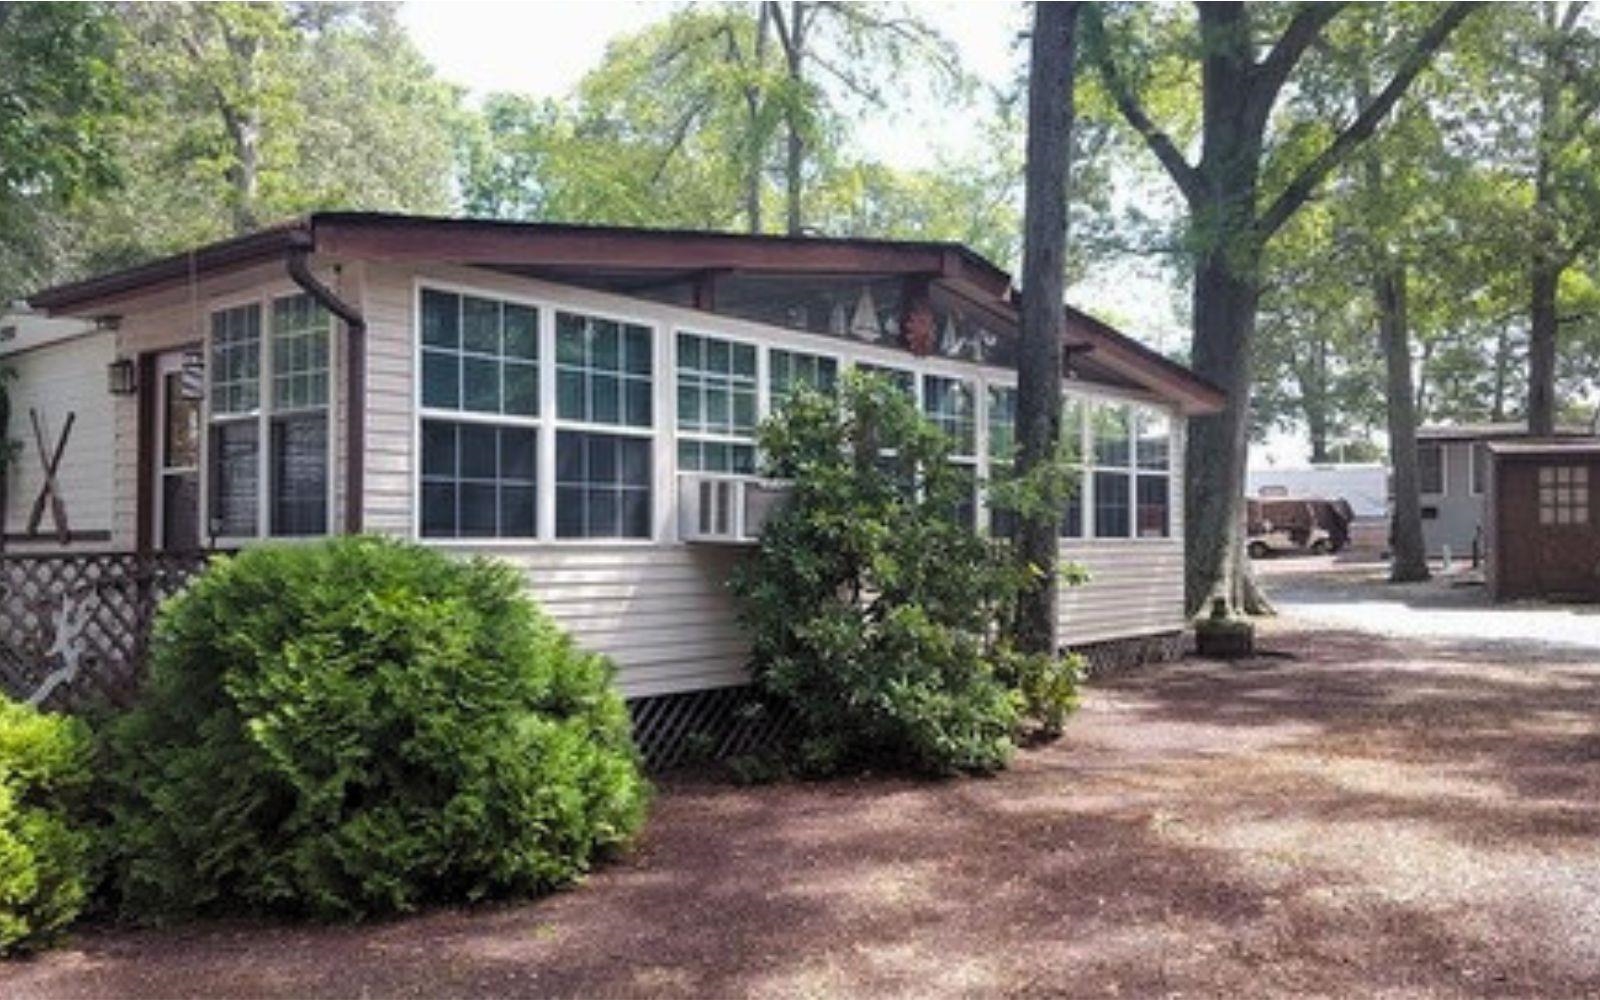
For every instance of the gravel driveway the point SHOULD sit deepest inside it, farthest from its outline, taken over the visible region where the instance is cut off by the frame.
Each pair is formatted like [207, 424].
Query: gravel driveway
[1452, 606]
[1354, 815]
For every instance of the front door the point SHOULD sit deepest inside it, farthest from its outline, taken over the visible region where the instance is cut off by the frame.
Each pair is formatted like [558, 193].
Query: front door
[179, 384]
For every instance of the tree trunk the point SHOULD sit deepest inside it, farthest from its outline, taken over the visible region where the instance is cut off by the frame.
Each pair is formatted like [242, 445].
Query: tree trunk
[1050, 98]
[1224, 321]
[1543, 283]
[795, 155]
[1314, 398]
[1502, 374]
[1227, 262]
[1410, 558]
[756, 151]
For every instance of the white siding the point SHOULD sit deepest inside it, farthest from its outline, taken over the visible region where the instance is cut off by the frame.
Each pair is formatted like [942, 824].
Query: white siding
[662, 613]
[66, 377]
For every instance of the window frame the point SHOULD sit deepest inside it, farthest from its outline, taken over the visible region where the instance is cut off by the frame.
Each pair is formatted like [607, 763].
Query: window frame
[263, 298]
[1444, 469]
[762, 402]
[665, 321]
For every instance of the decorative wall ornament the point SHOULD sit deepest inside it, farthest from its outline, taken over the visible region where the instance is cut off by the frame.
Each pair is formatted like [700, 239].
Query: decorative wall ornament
[50, 490]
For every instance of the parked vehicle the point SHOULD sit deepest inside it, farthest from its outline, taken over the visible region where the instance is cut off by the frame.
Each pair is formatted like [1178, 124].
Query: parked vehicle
[1307, 524]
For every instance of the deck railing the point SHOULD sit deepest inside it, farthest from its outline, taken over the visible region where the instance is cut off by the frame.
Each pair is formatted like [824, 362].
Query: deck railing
[74, 627]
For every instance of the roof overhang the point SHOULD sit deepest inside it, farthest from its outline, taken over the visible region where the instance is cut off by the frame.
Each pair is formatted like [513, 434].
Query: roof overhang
[503, 244]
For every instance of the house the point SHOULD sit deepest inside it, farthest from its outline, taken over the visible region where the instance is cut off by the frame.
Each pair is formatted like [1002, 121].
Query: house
[1543, 519]
[582, 402]
[1452, 466]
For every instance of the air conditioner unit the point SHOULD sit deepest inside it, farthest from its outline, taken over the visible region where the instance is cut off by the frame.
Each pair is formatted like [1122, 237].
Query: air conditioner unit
[726, 509]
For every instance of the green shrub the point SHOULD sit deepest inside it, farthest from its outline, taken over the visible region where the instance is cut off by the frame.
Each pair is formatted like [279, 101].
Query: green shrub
[875, 610]
[45, 856]
[359, 727]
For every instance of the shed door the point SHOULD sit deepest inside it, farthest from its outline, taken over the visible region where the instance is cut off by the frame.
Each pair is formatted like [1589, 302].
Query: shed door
[177, 460]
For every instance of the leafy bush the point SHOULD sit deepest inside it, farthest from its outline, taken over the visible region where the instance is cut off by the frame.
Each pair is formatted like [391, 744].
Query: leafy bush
[876, 611]
[45, 856]
[358, 727]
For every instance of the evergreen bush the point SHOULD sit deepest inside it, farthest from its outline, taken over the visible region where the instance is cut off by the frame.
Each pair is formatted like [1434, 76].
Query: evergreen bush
[359, 727]
[46, 853]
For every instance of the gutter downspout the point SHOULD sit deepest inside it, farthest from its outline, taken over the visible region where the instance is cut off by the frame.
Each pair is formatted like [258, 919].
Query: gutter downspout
[355, 381]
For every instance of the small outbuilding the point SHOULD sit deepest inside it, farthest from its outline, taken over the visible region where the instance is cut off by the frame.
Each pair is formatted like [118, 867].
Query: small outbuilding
[1542, 512]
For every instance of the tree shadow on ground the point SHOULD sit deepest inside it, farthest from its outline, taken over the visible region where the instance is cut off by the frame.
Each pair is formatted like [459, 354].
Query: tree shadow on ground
[1367, 817]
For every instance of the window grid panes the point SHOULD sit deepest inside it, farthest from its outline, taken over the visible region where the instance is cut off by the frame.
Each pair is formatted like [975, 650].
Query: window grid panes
[790, 370]
[1002, 425]
[603, 371]
[1111, 427]
[1564, 495]
[1073, 420]
[602, 485]
[236, 360]
[479, 355]
[479, 480]
[300, 334]
[716, 386]
[952, 406]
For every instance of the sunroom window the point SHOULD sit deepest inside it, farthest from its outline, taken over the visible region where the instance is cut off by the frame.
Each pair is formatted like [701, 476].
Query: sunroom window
[480, 409]
[605, 419]
[951, 404]
[717, 404]
[1112, 433]
[293, 384]
[1153, 456]
[788, 371]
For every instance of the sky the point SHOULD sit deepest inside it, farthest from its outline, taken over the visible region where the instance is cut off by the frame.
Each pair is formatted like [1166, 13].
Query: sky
[544, 49]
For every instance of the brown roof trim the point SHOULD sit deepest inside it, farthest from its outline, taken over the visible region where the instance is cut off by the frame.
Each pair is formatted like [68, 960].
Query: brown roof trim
[489, 242]
[81, 296]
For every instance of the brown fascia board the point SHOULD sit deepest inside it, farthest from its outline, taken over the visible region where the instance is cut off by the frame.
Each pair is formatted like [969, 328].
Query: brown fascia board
[92, 294]
[488, 242]
[1121, 353]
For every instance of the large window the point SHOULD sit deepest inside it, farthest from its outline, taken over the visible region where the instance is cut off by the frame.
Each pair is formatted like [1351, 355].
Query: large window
[602, 485]
[952, 405]
[275, 388]
[790, 370]
[1153, 456]
[716, 404]
[479, 480]
[1112, 434]
[604, 370]
[479, 355]
[480, 405]
[1430, 468]
[1074, 425]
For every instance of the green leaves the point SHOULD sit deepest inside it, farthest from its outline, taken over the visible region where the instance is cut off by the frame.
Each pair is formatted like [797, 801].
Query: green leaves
[875, 611]
[46, 850]
[360, 727]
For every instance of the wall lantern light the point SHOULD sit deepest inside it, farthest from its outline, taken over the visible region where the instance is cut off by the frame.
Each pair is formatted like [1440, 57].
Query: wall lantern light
[122, 378]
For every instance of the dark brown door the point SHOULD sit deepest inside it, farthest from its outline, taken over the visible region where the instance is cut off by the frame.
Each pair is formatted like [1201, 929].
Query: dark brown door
[177, 459]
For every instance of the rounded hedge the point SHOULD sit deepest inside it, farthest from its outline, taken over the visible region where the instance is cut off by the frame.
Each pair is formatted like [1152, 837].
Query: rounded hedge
[358, 727]
[46, 856]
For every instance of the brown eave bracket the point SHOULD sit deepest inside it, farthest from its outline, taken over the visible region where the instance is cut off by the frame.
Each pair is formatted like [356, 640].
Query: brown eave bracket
[355, 380]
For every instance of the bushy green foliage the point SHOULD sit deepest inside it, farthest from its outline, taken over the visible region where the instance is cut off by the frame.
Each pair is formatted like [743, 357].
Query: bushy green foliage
[45, 855]
[876, 612]
[358, 727]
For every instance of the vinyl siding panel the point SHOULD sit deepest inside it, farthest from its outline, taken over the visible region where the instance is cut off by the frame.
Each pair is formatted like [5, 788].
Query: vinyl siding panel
[57, 380]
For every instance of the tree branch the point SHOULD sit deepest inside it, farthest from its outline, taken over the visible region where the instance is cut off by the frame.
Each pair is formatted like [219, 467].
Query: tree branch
[1185, 176]
[1365, 123]
[1268, 76]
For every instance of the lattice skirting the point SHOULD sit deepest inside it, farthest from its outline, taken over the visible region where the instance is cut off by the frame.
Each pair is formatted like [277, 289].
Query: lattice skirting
[699, 726]
[1116, 655]
[74, 627]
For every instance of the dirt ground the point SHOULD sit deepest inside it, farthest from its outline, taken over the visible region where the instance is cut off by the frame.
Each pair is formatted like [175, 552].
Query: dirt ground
[1354, 816]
